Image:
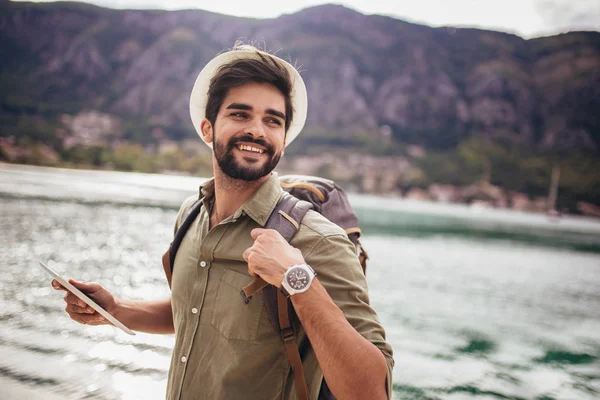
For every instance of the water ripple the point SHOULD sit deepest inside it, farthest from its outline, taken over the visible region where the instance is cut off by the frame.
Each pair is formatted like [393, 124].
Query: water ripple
[26, 378]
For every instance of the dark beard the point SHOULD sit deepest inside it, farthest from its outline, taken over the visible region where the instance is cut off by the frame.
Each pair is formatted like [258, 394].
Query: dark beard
[226, 159]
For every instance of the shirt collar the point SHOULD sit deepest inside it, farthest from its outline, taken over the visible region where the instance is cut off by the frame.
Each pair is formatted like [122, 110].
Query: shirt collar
[207, 191]
[259, 206]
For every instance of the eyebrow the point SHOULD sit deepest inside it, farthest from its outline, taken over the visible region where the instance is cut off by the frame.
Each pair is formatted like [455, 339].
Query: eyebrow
[247, 107]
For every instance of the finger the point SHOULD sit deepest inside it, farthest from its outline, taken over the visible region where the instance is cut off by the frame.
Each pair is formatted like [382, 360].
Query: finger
[75, 309]
[256, 232]
[97, 321]
[87, 319]
[251, 271]
[88, 287]
[57, 286]
[246, 253]
[70, 298]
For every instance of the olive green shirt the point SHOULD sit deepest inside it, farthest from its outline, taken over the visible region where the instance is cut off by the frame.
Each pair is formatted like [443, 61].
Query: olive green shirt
[226, 349]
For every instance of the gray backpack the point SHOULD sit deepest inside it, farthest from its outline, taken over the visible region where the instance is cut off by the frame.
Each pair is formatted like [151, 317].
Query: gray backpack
[303, 194]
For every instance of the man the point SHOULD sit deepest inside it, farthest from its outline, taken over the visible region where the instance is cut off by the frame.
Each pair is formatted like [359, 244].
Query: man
[248, 105]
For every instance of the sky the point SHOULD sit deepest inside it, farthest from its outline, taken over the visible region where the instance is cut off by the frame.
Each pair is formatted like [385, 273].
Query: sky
[526, 18]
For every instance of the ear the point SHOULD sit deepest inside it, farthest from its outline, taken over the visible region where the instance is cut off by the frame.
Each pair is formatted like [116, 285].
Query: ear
[207, 130]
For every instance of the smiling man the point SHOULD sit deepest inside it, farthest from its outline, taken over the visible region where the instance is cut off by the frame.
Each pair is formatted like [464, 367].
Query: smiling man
[248, 106]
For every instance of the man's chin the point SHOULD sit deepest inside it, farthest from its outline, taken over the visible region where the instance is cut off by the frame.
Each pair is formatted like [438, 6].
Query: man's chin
[246, 177]
[248, 174]
[252, 161]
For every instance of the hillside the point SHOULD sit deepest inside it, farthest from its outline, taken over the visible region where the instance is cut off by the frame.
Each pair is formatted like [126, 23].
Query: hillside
[364, 74]
[78, 75]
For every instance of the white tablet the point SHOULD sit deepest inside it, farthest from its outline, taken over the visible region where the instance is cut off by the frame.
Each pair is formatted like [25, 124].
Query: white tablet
[86, 299]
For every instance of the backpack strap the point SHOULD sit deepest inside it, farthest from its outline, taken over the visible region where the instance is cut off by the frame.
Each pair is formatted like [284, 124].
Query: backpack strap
[288, 215]
[291, 347]
[285, 219]
[168, 259]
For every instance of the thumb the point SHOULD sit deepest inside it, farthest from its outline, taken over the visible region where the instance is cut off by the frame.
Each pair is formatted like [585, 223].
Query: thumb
[89, 287]
[256, 232]
[56, 285]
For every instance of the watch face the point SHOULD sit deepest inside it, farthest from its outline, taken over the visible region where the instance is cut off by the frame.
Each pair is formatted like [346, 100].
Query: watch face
[297, 278]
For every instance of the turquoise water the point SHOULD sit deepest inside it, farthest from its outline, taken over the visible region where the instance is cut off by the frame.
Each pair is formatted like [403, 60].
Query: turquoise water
[477, 304]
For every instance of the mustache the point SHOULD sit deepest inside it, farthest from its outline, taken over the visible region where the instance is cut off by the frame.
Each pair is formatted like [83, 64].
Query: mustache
[250, 139]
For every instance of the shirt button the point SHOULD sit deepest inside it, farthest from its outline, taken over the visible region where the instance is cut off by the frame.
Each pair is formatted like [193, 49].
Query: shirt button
[194, 310]
[203, 264]
[183, 359]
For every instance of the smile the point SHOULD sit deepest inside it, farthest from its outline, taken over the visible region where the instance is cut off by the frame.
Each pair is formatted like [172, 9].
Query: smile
[250, 148]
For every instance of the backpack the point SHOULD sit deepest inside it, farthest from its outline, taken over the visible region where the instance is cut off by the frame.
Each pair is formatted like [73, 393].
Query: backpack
[303, 193]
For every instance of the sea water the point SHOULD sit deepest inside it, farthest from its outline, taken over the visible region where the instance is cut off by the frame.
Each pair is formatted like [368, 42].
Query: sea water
[477, 303]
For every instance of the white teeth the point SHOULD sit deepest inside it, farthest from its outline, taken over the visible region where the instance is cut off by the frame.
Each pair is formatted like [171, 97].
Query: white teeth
[250, 148]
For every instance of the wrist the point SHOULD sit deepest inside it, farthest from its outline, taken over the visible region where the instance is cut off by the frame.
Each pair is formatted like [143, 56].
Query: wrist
[117, 308]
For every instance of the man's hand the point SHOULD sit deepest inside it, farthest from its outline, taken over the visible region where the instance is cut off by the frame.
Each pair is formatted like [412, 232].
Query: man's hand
[81, 312]
[270, 256]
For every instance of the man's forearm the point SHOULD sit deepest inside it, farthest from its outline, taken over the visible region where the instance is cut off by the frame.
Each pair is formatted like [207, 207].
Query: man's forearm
[146, 316]
[354, 368]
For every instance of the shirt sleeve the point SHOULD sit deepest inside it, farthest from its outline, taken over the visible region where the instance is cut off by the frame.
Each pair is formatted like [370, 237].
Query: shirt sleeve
[335, 261]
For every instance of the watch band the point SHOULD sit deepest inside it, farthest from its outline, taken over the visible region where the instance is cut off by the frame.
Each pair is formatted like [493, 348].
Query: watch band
[284, 291]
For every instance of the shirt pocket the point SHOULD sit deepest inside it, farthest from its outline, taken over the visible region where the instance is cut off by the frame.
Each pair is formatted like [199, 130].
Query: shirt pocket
[232, 317]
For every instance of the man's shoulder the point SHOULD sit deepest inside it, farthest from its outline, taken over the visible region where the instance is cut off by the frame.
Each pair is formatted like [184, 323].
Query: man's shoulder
[185, 206]
[316, 226]
[324, 243]
[188, 202]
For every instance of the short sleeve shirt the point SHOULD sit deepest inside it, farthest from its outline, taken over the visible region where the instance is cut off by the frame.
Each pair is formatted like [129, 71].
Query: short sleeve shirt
[227, 349]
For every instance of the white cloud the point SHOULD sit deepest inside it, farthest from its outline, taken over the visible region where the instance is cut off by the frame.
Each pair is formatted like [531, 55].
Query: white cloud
[570, 15]
[524, 17]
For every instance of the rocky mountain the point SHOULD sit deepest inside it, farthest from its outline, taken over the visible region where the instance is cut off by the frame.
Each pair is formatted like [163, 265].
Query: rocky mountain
[371, 79]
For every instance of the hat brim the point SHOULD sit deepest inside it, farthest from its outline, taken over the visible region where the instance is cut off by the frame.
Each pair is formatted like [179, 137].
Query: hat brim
[199, 96]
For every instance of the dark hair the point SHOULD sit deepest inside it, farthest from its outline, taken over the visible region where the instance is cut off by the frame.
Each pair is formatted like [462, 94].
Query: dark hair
[239, 72]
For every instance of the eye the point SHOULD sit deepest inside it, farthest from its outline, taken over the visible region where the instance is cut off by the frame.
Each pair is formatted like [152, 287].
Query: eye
[239, 114]
[274, 121]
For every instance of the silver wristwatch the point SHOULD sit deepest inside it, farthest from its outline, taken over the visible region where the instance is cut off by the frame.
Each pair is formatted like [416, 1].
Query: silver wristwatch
[297, 279]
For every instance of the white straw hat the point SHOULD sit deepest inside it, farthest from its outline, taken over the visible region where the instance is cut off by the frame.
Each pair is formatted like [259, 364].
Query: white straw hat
[199, 96]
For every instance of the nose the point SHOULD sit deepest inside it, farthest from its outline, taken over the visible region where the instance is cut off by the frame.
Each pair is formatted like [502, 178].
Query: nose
[256, 128]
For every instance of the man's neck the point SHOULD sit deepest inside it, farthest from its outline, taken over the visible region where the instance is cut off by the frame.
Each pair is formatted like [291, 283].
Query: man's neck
[230, 194]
